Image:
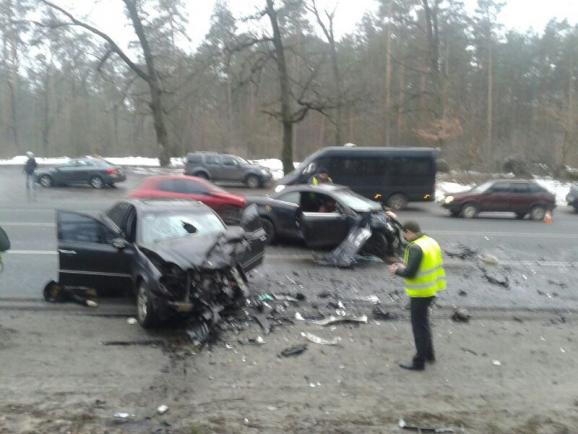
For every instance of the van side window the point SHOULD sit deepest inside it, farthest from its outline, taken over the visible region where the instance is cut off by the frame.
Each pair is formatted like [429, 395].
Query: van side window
[403, 166]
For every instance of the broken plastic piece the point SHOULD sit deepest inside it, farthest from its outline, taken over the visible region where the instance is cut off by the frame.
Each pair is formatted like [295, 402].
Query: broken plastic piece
[403, 425]
[320, 341]
[334, 320]
[122, 417]
[461, 315]
[162, 409]
[295, 350]
[299, 317]
[131, 321]
[379, 312]
[496, 363]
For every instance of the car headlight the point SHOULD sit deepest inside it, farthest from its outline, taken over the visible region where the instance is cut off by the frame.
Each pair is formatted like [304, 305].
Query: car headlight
[448, 199]
[279, 188]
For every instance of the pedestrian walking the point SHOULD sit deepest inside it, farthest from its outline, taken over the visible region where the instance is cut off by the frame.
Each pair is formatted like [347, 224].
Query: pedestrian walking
[29, 168]
[424, 276]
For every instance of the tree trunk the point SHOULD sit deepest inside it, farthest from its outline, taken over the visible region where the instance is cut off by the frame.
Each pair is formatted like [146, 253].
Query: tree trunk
[387, 103]
[286, 113]
[490, 99]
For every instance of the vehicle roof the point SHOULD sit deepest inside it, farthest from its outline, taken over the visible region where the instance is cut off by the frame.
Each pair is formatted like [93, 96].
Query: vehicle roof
[146, 205]
[320, 188]
[375, 149]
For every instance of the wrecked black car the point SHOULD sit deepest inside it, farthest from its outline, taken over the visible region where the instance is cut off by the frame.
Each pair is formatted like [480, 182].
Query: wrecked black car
[177, 257]
[326, 216]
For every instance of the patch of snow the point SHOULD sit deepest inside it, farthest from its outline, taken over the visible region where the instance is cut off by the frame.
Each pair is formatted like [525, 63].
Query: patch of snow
[445, 188]
[558, 188]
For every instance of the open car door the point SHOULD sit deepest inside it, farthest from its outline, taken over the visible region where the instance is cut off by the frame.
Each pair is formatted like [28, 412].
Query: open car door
[87, 256]
[256, 236]
[323, 229]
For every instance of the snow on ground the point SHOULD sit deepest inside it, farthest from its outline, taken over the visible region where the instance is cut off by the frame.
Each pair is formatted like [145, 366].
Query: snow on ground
[558, 188]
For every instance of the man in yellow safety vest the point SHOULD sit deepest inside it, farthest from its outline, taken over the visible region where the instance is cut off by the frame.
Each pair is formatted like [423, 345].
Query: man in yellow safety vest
[424, 276]
[321, 177]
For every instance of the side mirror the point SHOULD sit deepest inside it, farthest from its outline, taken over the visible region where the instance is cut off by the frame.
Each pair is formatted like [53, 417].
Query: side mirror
[120, 243]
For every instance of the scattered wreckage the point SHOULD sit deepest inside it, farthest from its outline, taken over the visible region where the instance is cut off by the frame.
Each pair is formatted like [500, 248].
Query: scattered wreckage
[331, 216]
[176, 257]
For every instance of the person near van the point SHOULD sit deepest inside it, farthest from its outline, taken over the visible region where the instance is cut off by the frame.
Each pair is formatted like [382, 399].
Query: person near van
[321, 177]
[29, 168]
[424, 276]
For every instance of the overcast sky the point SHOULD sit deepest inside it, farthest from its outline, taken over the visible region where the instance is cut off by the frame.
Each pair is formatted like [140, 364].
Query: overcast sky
[518, 14]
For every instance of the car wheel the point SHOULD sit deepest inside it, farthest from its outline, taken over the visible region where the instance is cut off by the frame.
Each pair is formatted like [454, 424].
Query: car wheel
[469, 211]
[397, 201]
[202, 175]
[96, 182]
[146, 310]
[269, 229]
[253, 181]
[538, 213]
[520, 215]
[45, 181]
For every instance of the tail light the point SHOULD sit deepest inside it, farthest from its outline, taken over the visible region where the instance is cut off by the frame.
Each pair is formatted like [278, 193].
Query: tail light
[111, 171]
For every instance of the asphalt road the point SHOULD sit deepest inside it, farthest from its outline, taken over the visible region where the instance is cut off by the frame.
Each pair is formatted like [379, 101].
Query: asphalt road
[531, 254]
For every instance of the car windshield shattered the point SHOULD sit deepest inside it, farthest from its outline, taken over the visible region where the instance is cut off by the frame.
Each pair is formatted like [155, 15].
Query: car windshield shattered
[357, 203]
[164, 226]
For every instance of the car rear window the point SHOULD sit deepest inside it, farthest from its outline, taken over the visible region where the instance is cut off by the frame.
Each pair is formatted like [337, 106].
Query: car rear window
[194, 159]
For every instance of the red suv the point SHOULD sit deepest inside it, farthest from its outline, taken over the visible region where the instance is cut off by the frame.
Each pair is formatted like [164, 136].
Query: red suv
[520, 197]
[227, 205]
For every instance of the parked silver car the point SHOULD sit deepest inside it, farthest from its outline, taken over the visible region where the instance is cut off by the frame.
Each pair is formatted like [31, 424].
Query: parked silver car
[230, 168]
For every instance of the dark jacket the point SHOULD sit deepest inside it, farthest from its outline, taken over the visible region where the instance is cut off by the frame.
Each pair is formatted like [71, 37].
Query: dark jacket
[30, 166]
[413, 261]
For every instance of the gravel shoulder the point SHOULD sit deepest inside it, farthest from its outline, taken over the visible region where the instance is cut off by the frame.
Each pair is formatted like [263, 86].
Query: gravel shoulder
[57, 376]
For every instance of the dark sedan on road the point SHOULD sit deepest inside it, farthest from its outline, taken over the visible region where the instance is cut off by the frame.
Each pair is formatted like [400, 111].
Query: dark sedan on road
[96, 172]
[322, 216]
[227, 205]
[520, 197]
[176, 256]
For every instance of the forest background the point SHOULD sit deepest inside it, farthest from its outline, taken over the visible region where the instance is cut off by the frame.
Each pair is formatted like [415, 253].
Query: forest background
[279, 82]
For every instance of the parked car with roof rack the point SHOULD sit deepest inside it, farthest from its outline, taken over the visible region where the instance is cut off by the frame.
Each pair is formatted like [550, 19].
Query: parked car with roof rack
[228, 168]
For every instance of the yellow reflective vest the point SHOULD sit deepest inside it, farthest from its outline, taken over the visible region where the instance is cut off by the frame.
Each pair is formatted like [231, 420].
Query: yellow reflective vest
[430, 277]
[315, 181]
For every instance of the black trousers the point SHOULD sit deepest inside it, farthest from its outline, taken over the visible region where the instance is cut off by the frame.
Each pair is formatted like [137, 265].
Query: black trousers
[421, 329]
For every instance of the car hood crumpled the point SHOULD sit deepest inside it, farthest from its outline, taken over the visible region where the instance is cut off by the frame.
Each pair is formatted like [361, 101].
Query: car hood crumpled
[213, 251]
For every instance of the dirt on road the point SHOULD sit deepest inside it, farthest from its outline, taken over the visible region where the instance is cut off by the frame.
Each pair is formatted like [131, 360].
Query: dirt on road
[503, 372]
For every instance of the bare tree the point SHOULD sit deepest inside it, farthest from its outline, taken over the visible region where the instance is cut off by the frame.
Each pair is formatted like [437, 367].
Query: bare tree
[148, 73]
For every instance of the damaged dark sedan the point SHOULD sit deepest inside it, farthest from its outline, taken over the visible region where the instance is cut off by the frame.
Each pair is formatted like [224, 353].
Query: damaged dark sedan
[326, 216]
[177, 257]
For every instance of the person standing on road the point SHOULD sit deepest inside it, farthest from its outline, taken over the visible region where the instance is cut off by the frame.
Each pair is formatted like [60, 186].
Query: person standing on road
[29, 169]
[321, 177]
[424, 276]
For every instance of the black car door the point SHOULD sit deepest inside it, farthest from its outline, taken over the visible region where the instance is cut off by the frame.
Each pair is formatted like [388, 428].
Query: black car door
[251, 223]
[87, 257]
[285, 210]
[323, 224]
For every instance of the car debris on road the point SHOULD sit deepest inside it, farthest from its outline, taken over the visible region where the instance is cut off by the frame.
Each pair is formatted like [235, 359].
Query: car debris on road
[295, 350]
[320, 341]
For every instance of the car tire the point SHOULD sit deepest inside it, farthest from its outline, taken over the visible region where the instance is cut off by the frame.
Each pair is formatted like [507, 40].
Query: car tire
[46, 181]
[96, 182]
[520, 215]
[397, 201]
[538, 213]
[469, 211]
[253, 181]
[201, 175]
[147, 311]
[269, 229]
